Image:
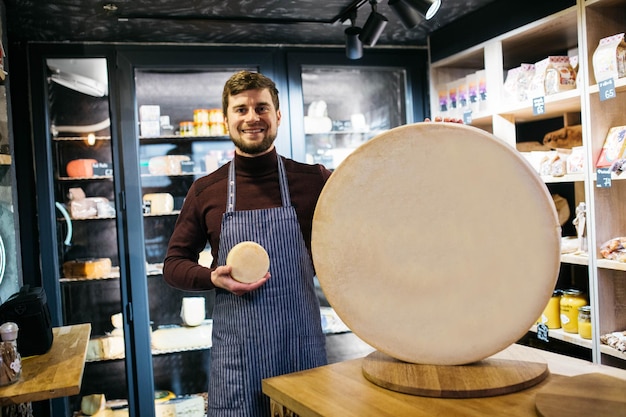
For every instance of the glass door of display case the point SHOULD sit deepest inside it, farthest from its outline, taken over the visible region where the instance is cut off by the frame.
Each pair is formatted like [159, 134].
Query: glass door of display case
[79, 211]
[177, 135]
[345, 107]
[182, 137]
[346, 103]
[10, 265]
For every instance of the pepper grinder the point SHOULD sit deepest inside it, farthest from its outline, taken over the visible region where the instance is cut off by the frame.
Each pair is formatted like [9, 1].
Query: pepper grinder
[10, 359]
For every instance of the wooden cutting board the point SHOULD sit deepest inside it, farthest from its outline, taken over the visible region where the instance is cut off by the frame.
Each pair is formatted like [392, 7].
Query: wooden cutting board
[436, 243]
[586, 395]
[499, 374]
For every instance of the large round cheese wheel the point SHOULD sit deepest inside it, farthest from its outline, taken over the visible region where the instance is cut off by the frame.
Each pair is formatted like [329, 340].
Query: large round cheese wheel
[436, 243]
[249, 261]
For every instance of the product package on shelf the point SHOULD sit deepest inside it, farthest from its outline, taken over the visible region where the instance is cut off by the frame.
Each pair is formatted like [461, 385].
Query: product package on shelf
[464, 94]
[560, 75]
[517, 83]
[613, 148]
[150, 120]
[609, 58]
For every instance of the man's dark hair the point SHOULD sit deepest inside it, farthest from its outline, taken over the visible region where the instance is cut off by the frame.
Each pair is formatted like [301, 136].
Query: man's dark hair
[245, 80]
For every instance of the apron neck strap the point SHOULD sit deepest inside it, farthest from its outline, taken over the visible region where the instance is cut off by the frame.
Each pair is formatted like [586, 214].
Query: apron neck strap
[282, 180]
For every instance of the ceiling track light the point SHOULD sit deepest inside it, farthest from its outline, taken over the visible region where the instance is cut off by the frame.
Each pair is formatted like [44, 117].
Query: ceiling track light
[407, 15]
[412, 12]
[354, 47]
[373, 27]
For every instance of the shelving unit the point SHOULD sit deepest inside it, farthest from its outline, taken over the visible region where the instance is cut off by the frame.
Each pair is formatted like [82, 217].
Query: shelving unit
[580, 28]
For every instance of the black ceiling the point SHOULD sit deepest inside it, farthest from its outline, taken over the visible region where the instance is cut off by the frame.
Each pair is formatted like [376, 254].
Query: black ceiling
[272, 22]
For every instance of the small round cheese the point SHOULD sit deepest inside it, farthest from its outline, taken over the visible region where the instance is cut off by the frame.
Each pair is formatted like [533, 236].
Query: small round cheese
[249, 261]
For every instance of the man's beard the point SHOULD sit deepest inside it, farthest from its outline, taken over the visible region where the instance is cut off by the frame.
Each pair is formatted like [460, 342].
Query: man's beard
[254, 148]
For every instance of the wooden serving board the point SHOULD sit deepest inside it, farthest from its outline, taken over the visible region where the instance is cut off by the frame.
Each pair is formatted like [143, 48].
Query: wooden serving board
[583, 396]
[502, 373]
[56, 373]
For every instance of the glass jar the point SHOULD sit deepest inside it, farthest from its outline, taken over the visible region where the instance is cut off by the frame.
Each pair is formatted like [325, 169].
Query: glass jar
[10, 359]
[584, 322]
[571, 301]
[551, 314]
[186, 128]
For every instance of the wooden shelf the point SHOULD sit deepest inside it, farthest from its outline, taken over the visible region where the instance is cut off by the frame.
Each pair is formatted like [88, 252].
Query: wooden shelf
[582, 27]
[610, 264]
[569, 258]
[572, 338]
[549, 179]
[608, 350]
[77, 138]
[555, 105]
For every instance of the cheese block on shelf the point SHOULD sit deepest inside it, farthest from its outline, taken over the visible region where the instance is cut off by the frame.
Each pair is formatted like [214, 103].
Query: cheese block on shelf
[92, 404]
[87, 268]
[188, 406]
[106, 347]
[167, 164]
[80, 168]
[182, 337]
[158, 203]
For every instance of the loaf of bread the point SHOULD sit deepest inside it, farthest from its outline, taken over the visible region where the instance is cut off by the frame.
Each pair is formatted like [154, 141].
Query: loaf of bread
[87, 268]
[567, 137]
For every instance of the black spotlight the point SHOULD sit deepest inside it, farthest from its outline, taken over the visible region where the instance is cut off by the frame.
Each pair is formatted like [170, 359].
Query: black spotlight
[428, 8]
[373, 28]
[412, 12]
[354, 47]
[408, 15]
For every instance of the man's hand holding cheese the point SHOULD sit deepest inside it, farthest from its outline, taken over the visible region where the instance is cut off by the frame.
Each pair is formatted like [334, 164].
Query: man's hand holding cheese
[221, 278]
[247, 268]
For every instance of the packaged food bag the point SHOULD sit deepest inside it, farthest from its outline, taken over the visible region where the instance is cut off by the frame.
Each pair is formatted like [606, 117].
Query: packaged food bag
[609, 58]
[613, 148]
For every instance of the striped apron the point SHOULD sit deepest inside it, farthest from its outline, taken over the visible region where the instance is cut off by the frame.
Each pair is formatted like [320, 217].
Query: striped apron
[273, 330]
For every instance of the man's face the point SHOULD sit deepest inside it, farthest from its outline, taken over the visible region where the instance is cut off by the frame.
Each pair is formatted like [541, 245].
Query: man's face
[252, 122]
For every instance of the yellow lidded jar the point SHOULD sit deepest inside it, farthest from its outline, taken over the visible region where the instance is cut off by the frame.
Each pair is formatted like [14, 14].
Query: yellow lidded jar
[551, 314]
[571, 301]
[584, 322]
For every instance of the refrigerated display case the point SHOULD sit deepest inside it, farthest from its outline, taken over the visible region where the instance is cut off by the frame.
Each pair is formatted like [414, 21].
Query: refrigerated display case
[115, 159]
[85, 284]
[120, 134]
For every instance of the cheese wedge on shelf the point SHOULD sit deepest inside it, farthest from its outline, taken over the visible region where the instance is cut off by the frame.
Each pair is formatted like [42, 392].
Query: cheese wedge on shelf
[87, 268]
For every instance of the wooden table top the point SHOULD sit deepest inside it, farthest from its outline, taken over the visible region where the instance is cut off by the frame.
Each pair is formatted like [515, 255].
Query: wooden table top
[341, 390]
[57, 373]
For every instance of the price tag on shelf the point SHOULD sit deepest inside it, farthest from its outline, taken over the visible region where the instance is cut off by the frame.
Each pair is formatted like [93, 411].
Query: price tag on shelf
[607, 89]
[542, 332]
[467, 117]
[539, 106]
[603, 177]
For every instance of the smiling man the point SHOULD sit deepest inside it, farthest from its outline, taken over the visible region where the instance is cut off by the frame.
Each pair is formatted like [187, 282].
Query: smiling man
[272, 326]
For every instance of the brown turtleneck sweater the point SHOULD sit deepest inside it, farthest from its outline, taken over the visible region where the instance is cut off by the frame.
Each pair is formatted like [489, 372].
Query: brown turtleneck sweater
[257, 187]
